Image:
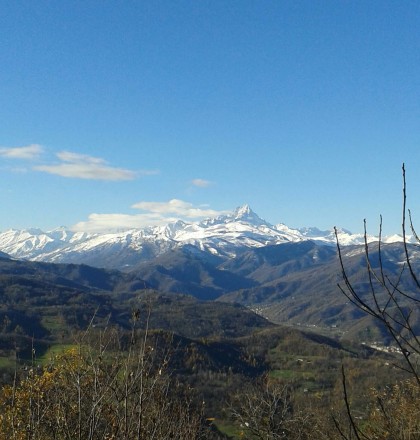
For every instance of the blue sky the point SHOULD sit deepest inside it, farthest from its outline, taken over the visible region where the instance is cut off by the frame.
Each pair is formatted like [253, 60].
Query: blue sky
[124, 113]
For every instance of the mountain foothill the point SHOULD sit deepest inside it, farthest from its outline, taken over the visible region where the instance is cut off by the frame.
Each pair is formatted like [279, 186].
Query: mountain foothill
[288, 276]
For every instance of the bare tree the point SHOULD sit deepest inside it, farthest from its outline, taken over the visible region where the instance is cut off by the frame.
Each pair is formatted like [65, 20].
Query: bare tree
[391, 306]
[265, 411]
[396, 309]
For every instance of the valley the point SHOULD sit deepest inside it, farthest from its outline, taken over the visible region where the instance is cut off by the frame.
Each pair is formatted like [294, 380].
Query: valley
[246, 303]
[290, 276]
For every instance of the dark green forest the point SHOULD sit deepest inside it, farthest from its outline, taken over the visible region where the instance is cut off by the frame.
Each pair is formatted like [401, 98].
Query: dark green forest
[91, 353]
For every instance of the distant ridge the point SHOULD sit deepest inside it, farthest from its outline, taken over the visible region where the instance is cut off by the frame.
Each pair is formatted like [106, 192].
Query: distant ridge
[281, 273]
[4, 256]
[225, 235]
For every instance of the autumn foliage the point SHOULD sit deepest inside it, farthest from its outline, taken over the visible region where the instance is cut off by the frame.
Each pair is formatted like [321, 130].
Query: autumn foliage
[101, 394]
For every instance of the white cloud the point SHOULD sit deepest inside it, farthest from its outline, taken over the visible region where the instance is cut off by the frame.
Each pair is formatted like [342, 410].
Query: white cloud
[82, 166]
[116, 222]
[156, 213]
[177, 207]
[201, 183]
[28, 152]
[68, 156]
[73, 165]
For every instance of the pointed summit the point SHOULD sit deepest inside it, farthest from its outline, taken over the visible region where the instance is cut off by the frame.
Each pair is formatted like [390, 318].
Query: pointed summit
[246, 214]
[244, 210]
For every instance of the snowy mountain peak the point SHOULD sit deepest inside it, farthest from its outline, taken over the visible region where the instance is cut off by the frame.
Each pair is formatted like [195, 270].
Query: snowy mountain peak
[244, 210]
[226, 235]
[246, 214]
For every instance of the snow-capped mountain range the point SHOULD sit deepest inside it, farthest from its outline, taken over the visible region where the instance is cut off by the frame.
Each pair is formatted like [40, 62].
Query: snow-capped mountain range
[225, 235]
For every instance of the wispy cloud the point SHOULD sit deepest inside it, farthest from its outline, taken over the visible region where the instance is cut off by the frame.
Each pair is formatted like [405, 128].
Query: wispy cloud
[176, 207]
[201, 183]
[29, 152]
[155, 214]
[116, 222]
[71, 165]
[81, 166]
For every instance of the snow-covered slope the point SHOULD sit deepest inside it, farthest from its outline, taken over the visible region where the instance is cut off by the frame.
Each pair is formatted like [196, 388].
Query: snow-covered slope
[225, 235]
